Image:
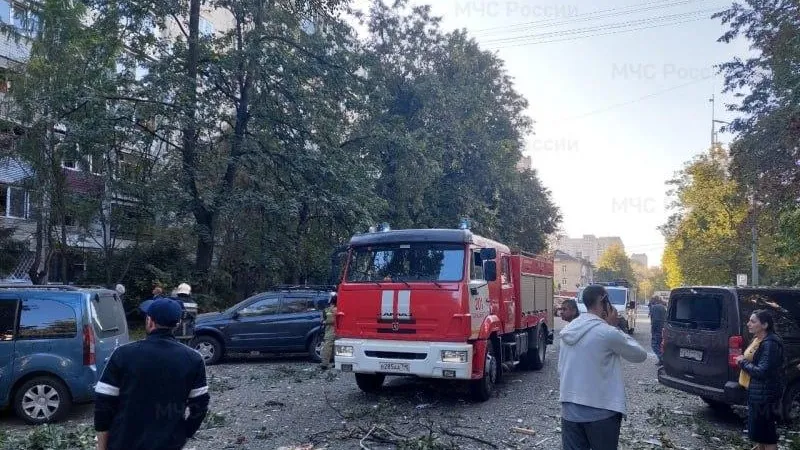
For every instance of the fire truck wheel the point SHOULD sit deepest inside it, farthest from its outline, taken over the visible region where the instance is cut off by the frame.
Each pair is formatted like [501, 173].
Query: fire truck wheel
[483, 388]
[537, 354]
[370, 383]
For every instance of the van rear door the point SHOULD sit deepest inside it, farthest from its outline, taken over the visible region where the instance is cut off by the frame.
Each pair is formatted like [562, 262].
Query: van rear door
[700, 322]
[110, 326]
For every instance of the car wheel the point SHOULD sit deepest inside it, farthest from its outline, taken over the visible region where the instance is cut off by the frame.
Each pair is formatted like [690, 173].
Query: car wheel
[716, 405]
[315, 347]
[370, 383]
[791, 404]
[209, 348]
[42, 400]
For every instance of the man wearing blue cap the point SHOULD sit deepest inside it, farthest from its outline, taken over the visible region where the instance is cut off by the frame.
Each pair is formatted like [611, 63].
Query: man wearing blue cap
[147, 386]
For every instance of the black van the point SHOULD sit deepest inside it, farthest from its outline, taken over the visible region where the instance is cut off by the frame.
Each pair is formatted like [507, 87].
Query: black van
[706, 329]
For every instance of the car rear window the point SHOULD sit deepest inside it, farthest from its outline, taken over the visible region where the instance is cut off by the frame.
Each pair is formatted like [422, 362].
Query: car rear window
[109, 315]
[8, 318]
[700, 311]
[47, 319]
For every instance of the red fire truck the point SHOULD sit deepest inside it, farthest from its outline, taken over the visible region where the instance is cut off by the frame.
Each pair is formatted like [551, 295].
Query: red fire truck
[441, 303]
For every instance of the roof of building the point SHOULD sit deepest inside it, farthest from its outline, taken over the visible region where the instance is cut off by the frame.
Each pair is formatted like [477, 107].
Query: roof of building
[563, 256]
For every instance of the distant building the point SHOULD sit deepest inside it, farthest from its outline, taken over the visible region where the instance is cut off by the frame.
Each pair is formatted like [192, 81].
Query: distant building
[571, 273]
[588, 247]
[640, 258]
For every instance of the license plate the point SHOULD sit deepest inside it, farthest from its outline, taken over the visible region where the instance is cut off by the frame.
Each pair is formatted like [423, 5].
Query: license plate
[687, 353]
[395, 367]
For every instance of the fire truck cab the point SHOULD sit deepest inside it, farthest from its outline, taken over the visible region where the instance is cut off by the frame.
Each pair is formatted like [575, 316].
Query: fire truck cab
[441, 303]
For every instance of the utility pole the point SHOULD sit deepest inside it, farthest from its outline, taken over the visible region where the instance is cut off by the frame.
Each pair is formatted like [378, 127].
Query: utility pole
[754, 246]
[713, 132]
[754, 214]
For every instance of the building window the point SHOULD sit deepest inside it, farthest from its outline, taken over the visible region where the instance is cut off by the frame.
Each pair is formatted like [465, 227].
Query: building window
[13, 202]
[5, 11]
[69, 164]
[206, 28]
[579, 254]
[25, 20]
[564, 283]
[563, 268]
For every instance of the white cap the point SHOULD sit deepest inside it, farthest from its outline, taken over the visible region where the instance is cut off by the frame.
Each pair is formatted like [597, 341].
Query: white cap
[183, 288]
[120, 289]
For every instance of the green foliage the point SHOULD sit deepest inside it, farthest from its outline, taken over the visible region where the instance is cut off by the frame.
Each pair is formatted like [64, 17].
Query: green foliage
[614, 264]
[708, 235]
[51, 437]
[260, 149]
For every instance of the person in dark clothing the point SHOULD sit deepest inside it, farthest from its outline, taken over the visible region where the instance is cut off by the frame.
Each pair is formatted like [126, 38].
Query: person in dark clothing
[147, 386]
[761, 365]
[658, 314]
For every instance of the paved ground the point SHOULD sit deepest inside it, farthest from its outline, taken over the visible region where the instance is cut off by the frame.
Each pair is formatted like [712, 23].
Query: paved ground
[287, 403]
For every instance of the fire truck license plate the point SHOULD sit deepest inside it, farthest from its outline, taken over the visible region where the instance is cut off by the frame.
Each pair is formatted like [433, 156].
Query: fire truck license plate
[395, 367]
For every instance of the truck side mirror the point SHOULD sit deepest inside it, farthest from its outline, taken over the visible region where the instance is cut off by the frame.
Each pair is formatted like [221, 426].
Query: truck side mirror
[490, 270]
[632, 305]
[488, 254]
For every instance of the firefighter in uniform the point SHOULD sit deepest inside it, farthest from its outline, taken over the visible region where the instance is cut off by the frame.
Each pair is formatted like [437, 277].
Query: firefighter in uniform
[328, 321]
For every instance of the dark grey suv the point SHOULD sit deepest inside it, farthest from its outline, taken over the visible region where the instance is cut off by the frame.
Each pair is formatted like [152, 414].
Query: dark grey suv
[705, 332]
[283, 321]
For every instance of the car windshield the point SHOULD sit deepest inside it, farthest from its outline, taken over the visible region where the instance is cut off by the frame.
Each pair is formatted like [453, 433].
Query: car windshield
[406, 262]
[617, 296]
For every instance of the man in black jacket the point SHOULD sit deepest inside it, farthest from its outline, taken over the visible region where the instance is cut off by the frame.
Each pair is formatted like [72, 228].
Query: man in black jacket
[147, 386]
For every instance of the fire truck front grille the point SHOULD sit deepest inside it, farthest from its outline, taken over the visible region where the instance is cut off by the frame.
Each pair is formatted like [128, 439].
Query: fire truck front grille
[395, 355]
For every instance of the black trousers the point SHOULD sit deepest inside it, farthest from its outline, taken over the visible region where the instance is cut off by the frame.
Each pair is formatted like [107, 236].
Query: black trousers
[599, 435]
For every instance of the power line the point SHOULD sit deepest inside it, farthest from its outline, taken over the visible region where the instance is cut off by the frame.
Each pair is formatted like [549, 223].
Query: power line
[614, 13]
[630, 102]
[627, 26]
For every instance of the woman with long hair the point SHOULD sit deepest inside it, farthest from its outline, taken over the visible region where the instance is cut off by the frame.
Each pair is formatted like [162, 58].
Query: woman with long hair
[761, 371]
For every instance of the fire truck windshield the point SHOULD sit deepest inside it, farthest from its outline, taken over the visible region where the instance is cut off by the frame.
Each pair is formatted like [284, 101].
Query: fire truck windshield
[406, 262]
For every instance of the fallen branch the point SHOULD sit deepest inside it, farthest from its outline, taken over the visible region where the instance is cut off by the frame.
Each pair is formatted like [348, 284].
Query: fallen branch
[543, 441]
[361, 442]
[330, 405]
[476, 439]
[527, 431]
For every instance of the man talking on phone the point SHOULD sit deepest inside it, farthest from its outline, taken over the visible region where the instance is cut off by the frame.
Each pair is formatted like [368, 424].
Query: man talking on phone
[592, 388]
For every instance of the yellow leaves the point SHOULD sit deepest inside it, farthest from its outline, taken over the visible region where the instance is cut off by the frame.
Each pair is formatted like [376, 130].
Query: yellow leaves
[708, 242]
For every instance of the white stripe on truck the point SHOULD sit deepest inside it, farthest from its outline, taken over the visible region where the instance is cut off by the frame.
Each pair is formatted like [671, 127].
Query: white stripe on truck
[387, 305]
[404, 305]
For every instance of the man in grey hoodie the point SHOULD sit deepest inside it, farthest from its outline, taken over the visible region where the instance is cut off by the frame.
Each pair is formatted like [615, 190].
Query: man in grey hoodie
[592, 388]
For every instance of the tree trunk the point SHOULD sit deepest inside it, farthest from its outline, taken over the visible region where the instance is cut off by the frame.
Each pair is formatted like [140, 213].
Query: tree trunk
[41, 263]
[204, 216]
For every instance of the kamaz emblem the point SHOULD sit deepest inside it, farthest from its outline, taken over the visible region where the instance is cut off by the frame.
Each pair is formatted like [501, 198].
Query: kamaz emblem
[395, 326]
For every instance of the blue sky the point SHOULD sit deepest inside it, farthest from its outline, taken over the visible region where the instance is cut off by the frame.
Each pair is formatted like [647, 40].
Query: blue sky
[616, 115]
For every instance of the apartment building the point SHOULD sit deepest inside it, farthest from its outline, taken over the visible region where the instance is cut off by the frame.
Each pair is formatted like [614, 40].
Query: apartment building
[588, 247]
[82, 176]
[640, 258]
[571, 273]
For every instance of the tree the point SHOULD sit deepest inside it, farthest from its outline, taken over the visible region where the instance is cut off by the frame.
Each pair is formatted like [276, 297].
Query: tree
[707, 237]
[445, 129]
[614, 264]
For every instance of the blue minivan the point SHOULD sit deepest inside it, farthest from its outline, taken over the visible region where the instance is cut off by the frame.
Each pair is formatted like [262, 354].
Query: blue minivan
[54, 344]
